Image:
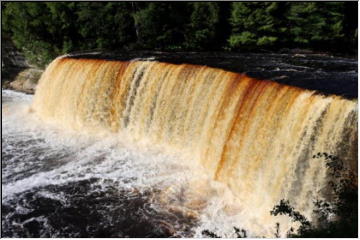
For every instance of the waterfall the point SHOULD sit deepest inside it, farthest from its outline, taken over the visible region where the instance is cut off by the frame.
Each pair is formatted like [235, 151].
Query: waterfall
[255, 136]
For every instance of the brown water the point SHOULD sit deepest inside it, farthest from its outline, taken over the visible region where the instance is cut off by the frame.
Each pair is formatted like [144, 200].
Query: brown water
[256, 138]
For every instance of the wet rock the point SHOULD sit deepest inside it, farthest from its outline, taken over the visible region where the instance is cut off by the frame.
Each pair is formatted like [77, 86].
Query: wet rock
[26, 80]
[16, 72]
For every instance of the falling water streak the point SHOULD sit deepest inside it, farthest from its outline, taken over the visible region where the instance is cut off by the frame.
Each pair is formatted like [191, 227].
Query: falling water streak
[256, 137]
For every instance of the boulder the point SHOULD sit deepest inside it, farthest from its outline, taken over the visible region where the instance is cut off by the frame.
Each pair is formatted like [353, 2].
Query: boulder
[26, 80]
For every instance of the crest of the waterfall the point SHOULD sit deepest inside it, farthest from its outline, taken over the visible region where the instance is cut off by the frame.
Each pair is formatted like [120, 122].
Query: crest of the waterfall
[143, 59]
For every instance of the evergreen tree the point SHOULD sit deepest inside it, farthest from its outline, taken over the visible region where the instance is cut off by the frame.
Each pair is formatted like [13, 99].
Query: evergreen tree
[255, 24]
[202, 29]
[44, 30]
[315, 23]
[105, 25]
[160, 25]
[27, 24]
[62, 32]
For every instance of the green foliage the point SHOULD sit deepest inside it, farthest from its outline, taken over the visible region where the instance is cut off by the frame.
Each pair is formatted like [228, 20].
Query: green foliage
[28, 26]
[202, 29]
[315, 22]
[335, 218]
[242, 39]
[160, 24]
[290, 24]
[44, 30]
[255, 24]
[107, 25]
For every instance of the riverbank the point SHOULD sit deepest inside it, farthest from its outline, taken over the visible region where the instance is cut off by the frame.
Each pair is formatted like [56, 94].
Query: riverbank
[23, 80]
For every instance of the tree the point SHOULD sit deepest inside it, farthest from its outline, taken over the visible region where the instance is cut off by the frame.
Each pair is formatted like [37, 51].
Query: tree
[44, 30]
[273, 25]
[27, 24]
[255, 24]
[160, 25]
[202, 29]
[112, 28]
[315, 23]
[335, 218]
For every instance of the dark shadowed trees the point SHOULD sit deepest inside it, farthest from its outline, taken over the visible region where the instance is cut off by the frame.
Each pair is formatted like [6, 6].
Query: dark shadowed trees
[202, 30]
[44, 30]
[160, 25]
[334, 218]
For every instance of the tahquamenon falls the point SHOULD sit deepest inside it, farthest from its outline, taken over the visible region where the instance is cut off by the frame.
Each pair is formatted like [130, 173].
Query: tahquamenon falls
[218, 147]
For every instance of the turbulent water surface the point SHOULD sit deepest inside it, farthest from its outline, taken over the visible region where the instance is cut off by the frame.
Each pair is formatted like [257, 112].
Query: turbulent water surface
[141, 148]
[64, 184]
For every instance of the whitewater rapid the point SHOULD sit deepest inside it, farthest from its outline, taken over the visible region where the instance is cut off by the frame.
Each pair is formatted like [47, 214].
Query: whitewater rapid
[46, 166]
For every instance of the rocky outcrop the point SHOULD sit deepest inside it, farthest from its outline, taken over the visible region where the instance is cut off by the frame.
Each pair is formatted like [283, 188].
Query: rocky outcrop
[26, 80]
[16, 73]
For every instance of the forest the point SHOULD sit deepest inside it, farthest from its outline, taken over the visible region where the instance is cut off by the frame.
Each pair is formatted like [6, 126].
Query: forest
[44, 30]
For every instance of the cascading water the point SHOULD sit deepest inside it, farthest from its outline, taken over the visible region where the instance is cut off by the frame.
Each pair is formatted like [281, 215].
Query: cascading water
[222, 148]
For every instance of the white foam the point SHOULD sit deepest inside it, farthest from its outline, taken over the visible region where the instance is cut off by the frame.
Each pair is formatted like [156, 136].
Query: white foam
[184, 187]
